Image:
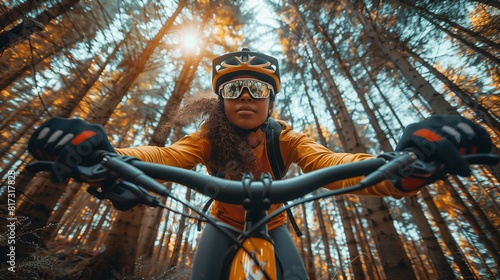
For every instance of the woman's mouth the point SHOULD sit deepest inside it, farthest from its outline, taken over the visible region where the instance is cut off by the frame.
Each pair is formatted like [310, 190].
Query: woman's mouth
[245, 108]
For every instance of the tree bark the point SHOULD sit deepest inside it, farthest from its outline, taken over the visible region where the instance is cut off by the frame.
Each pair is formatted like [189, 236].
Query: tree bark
[356, 85]
[176, 252]
[309, 261]
[28, 27]
[388, 48]
[181, 87]
[448, 239]
[349, 228]
[325, 239]
[16, 13]
[125, 82]
[434, 250]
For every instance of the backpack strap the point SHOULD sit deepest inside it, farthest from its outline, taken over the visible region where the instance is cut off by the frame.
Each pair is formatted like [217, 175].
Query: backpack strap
[273, 131]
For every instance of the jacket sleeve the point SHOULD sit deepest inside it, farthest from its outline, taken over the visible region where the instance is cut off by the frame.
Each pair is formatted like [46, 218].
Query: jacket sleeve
[302, 150]
[185, 153]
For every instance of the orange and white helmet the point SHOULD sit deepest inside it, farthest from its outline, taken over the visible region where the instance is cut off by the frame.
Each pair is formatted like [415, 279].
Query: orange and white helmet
[230, 65]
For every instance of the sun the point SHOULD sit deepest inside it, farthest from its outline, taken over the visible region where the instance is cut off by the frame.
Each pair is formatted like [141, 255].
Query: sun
[190, 41]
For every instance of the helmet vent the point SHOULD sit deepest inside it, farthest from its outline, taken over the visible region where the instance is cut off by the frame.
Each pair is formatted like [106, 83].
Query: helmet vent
[244, 57]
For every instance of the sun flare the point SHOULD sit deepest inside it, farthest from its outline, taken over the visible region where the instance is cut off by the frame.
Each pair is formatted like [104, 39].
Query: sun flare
[190, 41]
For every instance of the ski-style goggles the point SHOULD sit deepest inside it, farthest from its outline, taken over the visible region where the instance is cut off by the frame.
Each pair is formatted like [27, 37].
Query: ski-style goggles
[256, 88]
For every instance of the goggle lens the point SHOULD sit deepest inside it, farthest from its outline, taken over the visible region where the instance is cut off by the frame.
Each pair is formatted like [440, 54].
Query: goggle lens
[256, 88]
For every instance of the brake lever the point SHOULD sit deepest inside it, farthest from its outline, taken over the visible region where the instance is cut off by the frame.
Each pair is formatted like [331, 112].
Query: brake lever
[91, 174]
[124, 195]
[486, 159]
[417, 166]
[422, 169]
[396, 164]
[39, 166]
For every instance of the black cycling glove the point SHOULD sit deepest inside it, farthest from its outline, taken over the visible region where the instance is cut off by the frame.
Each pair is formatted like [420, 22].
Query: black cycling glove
[68, 142]
[443, 140]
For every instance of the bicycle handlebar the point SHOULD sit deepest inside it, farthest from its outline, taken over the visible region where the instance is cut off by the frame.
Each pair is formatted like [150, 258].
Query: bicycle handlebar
[283, 190]
[145, 175]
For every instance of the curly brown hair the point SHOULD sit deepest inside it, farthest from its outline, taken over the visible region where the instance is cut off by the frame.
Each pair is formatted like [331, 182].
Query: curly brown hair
[231, 154]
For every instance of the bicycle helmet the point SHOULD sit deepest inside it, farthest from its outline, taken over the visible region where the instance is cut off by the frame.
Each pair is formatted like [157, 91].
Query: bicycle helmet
[230, 65]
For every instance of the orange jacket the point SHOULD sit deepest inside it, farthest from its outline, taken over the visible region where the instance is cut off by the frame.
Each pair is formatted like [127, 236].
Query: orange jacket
[295, 147]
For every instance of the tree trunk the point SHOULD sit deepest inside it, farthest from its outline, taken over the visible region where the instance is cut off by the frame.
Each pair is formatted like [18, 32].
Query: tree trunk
[382, 95]
[38, 202]
[493, 3]
[338, 264]
[18, 158]
[48, 233]
[336, 123]
[493, 251]
[14, 73]
[434, 250]
[309, 261]
[181, 87]
[157, 257]
[463, 94]
[348, 225]
[448, 239]
[25, 29]
[431, 17]
[149, 232]
[125, 82]
[121, 246]
[480, 214]
[151, 223]
[351, 241]
[176, 252]
[324, 238]
[321, 137]
[93, 237]
[27, 127]
[372, 266]
[90, 80]
[388, 48]
[347, 128]
[356, 85]
[17, 13]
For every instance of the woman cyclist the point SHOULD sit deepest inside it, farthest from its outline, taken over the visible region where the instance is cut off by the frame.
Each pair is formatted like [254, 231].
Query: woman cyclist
[232, 140]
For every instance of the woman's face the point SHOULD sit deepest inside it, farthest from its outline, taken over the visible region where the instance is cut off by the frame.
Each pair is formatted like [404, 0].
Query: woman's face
[245, 111]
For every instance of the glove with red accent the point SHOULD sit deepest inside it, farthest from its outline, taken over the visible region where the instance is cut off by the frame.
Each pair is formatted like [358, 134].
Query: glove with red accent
[68, 142]
[442, 140]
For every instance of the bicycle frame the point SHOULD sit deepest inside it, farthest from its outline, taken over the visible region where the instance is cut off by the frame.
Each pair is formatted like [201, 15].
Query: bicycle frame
[254, 258]
[244, 267]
